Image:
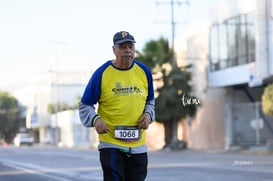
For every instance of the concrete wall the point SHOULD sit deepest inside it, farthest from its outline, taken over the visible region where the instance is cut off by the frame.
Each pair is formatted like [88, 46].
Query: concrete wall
[207, 129]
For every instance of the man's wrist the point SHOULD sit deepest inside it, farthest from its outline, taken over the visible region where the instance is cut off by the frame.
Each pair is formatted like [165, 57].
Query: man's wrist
[95, 119]
[149, 117]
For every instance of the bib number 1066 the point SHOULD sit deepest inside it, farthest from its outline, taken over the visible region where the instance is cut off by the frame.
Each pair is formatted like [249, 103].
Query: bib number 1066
[127, 133]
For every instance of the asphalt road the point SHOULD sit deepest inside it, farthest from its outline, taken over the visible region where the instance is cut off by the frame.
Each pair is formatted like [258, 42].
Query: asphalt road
[62, 164]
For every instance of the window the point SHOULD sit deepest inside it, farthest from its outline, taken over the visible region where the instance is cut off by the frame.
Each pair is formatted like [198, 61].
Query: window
[232, 43]
[214, 48]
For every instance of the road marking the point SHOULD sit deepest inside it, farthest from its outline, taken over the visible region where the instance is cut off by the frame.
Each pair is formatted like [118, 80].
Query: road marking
[45, 172]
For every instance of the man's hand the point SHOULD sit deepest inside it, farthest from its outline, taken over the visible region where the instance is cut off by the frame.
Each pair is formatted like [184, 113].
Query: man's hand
[144, 121]
[100, 126]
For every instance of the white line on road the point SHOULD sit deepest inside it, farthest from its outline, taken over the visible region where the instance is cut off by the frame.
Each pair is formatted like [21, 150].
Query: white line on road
[45, 172]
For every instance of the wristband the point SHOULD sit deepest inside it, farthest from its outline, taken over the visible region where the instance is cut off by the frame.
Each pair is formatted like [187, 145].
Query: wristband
[95, 119]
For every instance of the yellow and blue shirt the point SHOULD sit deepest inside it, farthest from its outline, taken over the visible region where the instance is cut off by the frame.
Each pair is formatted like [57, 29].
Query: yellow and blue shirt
[122, 95]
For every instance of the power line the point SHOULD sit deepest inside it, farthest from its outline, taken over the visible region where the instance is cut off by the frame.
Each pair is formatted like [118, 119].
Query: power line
[173, 22]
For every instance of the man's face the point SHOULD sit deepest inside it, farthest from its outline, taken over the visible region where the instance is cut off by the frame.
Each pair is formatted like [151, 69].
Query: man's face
[124, 51]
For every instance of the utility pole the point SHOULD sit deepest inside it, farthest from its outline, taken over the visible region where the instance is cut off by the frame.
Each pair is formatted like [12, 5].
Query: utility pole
[172, 126]
[173, 24]
[55, 87]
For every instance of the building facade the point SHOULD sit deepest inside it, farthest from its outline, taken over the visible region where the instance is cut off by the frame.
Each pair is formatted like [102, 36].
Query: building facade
[63, 128]
[241, 66]
[232, 63]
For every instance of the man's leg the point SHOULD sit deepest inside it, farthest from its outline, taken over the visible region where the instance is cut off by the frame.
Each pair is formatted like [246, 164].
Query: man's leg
[136, 167]
[113, 164]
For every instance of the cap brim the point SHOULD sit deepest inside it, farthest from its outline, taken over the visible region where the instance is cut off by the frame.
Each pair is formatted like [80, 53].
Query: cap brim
[125, 40]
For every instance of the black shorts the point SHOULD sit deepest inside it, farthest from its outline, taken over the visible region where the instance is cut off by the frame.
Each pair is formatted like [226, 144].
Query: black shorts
[121, 166]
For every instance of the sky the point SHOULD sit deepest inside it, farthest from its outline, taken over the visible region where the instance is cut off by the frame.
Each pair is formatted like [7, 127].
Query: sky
[37, 36]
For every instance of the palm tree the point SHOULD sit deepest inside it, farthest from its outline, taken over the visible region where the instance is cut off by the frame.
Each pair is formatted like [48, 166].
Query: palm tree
[171, 83]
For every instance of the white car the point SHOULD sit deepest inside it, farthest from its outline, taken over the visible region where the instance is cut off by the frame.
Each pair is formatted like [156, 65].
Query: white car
[23, 139]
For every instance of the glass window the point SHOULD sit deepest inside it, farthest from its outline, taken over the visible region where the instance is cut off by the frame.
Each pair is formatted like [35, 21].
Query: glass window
[242, 40]
[250, 38]
[223, 54]
[233, 42]
[214, 60]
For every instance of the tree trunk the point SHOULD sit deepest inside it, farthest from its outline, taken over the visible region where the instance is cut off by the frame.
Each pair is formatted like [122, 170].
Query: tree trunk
[171, 139]
[168, 133]
[174, 131]
[170, 128]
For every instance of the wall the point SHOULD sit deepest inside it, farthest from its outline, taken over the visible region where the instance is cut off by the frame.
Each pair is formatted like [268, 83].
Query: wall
[207, 129]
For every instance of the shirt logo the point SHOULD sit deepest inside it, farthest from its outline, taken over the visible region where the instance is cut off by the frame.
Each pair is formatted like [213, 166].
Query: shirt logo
[126, 90]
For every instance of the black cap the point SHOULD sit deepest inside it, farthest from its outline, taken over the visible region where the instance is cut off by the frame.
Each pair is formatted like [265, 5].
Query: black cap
[123, 36]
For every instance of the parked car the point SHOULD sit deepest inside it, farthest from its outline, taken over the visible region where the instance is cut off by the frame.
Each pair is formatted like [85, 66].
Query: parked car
[23, 139]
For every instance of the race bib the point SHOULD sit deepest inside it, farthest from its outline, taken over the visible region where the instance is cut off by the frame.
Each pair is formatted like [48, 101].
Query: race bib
[127, 133]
